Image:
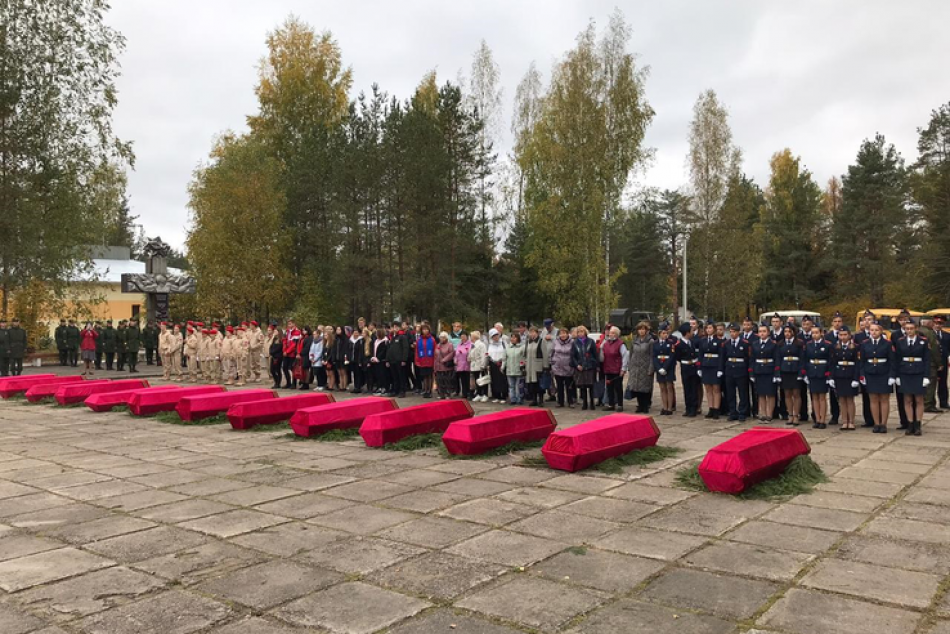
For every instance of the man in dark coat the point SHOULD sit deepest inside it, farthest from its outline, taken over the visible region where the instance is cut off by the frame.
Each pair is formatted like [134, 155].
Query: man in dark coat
[72, 342]
[133, 341]
[120, 337]
[108, 344]
[98, 329]
[4, 348]
[17, 347]
[59, 335]
[150, 341]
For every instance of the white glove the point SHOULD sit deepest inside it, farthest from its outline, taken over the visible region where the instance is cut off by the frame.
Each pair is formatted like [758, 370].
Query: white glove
[864, 381]
[662, 371]
[374, 360]
[752, 378]
[831, 383]
[699, 373]
[807, 382]
[926, 381]
[891, 382]
[898, 381]
[855, 384]
[801, 378]
[776, 379]
[718, 375]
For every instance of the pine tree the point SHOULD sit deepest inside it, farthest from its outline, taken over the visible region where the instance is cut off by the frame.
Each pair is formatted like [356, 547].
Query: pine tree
[931, 187]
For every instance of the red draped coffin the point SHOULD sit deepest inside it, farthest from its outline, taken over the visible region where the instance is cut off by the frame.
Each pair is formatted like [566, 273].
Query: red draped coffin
[381, 429]
[597, 440]
[751, 457]
[478, 435]
[41, 391]
[198, 406]
[275, 410]
[13, 385]
[78, 392]
[314, 421]
[106, 401]
[147, 402]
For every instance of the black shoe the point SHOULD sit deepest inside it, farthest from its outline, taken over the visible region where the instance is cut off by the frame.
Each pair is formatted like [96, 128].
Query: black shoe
[868, 425]
[709, 414]
[733, 417]
[904, 425]
[833, 421]
[816, 426]
[608, 408]
[742, 419]
[917, 430]
[932, 410]
[716, 416]
[620, 408]
[910, 429]
[584, 407]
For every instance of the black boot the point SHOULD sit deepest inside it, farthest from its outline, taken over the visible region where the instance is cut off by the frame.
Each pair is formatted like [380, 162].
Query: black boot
[910, 428]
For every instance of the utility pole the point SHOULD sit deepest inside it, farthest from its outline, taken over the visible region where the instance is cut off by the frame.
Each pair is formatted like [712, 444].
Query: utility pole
[685, 296]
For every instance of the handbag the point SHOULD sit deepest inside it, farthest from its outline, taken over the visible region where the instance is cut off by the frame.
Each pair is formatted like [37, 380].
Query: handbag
[483, 380]
[298, 370]
[544, 381]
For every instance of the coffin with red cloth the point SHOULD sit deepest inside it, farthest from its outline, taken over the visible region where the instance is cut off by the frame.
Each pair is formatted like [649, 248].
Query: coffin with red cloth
[430, 418]
[146, 402]
[751, 457]
[13, 385]
[42, 391]
[198, 406]
[597, 440]
[107, 401]
[315, 421]
[271, 411]
[482, 433]
[73, 393]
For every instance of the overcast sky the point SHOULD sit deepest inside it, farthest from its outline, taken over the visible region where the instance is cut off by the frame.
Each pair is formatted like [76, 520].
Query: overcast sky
[815, 76]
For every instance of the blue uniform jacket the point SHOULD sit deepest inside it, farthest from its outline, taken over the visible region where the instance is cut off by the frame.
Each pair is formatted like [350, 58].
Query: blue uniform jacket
[736, 358]
[664, 355]
[710, 354]
[818, 360]
[687, 356]
[765, 358]
[790, 356]
[846, 366]
[911, 358]
[875, 358]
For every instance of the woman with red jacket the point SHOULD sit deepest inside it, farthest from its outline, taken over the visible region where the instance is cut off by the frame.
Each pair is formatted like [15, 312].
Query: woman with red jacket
[87, 347]
[290, 344]
[425, 359]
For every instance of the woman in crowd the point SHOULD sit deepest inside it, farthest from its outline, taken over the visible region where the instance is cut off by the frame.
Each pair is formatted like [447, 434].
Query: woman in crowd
[513, 367]
[909, 368]
[291, 345]
[640, 367]
[445, 366]
[463, 368]
[478, 363]
[710, 358]
[562, 369]
[844, 376]
[536, 361]
[381, 379]
[338, 359]
[275, 350]
[425, 359]
[664, 366]
[875, 357]
[303, 352]
[766, 374]
[329, 343]
[87, 348]
[316, 359]
[585, 362]
[817, 366]
[357, 357]
[496, 364]
[790, 353]
[614, 358]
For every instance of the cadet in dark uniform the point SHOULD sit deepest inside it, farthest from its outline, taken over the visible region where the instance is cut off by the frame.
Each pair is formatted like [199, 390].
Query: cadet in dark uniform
[687, 357]
[862, 335]
[17, 347]
[59, 335]
[120, 340]
[108, 344]
[896, 333]
[804, 334]
[710, 369]
[664, 367]
[818, 374]
[133, 340]
[72, 342]
[943, 394]
[844, 376]
[4, 348]
[909, 370]
[150, 341]
[875, 355]
[749, 336]
[736, 359]
[837, 323]
[766, 373]
[98, 329]
[790, 352]
[777, 334]
[933, 371]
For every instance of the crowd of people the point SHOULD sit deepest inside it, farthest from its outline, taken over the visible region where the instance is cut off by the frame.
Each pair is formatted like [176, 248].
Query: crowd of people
[761, 371]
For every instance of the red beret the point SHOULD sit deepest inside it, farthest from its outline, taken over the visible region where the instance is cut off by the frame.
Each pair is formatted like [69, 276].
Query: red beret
[254, 323]
[230, 328]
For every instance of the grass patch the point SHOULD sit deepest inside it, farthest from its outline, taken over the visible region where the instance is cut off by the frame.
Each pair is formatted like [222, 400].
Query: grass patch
[417, 441]
[334, 435]
[49, 400]
[577, 550]
[272, 427]
[172, 418]
[511, 447]
[636, 458]
[799, 477]
[534, 460]
[122, 409]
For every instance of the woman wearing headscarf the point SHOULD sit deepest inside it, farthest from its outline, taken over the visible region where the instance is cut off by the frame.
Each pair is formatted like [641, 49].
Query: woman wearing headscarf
[584, 360]
[561, 367]
[445, 366]
[478, 363]
[640, 367]
[664, 367]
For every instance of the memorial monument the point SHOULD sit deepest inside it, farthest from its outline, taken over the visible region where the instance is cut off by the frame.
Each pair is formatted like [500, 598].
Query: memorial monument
[156, 283]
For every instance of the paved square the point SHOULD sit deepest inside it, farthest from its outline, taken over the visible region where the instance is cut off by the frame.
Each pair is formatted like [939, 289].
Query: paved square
[112, 524]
